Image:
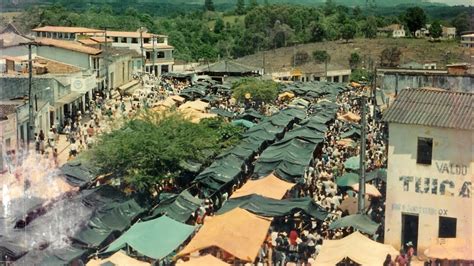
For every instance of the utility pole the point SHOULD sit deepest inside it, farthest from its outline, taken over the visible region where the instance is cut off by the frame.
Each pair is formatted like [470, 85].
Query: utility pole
[361, 198]
[264, 62]
[31, 117]
[106, 62]
[154, 56]
[141, 48]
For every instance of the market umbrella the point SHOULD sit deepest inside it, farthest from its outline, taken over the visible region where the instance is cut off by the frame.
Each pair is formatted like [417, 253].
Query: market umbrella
[360, 222]
[352, 163]
[369, 190]
[242, 122]
[286, 95]
[346, 143]
[347, 179]
[350, 205]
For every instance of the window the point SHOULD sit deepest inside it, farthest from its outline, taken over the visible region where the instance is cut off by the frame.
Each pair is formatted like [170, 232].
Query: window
[447, 227]
[124, 40]
[146, 40]
[134, 40]
[148, 55]
[160, 55]
[115, 39]
[424, 151]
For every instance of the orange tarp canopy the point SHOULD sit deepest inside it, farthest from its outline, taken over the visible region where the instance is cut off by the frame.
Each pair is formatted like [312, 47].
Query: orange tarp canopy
[196, 105]
[177, 98]
[208, 260]
[269, 186]
[238, 232]
[195, 116]
[349, 116]
[119, 259]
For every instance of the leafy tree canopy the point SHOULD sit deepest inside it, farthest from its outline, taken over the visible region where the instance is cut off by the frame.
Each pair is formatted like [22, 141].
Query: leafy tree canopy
[147, 151]
[415, 18]
[255, 89]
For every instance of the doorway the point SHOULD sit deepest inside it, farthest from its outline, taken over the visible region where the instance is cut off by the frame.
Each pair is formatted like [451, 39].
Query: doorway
[410, 230]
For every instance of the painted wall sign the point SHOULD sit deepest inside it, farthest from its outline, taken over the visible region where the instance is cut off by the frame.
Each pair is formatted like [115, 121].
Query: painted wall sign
[452, 169]
[419, 209]
[435, 186]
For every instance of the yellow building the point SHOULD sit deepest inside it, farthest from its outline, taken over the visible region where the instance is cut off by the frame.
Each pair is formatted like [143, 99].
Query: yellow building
[430, 168]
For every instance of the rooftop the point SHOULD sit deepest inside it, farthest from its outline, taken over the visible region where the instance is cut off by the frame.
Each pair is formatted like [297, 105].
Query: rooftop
[433, 108]
[468, 35]
[12, 39]
[6, 110]
[227, 66]
[67, 29]
[68, 45]
[158, 46]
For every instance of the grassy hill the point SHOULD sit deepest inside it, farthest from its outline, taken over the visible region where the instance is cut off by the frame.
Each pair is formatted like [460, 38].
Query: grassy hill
[419, 50]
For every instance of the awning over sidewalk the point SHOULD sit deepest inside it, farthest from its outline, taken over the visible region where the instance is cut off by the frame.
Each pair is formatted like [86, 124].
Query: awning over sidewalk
[128, 85]
[69, 98]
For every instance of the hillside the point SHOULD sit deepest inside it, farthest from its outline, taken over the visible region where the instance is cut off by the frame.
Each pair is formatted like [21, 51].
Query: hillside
[419, 50]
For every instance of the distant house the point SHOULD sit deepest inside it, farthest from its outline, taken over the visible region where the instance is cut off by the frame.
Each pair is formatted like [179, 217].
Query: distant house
[393, 30]
[423, 32]
[449, 32]
[467, 40]
[458, 68]
[416, 65]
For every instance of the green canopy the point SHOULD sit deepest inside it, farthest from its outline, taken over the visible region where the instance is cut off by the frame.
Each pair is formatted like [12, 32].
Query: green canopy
[190, 166]
[269, 207]
[352, 163]
[112, 218]
[242, 122]
[222, 112]
[376, 174]
[347, 179]
[359, 222]
[241, 151]
[305, 133]
[155, 239]
[251, 114]
[294, 112]
[79, 172]
[177, 206]
[352, 133]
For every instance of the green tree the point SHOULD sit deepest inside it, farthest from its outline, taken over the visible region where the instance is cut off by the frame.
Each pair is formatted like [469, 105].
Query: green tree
[461, 23]
[349, 31]
[370, 27]
[209, 5]
[436, 30]
[357, 12]
[354, 60]
[253, 4]
[147, 151]
[361, 75]
[300, 58]
[390, 57]
[258, 90]
[320, 57]
[219, 26]
[316, 31]
[415, 19]
[329, 7]
[240, 7]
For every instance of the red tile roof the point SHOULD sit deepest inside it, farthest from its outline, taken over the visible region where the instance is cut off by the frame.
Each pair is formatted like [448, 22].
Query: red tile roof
[68, 45]
[67, 29]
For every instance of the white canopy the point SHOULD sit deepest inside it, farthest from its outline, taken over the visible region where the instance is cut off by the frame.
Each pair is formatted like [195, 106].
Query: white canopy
[357, 247]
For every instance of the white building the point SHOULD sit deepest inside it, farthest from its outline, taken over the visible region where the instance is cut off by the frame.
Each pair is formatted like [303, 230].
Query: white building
[449, 32]
[430, 168]
[392, 30]
[467, 40]
[154, 48]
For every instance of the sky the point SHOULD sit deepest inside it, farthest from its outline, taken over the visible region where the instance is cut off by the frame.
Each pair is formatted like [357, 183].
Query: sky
[456, 2]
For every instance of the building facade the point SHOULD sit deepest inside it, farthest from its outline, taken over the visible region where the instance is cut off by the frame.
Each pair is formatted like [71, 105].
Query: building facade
[467, 40]
[430, 166]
